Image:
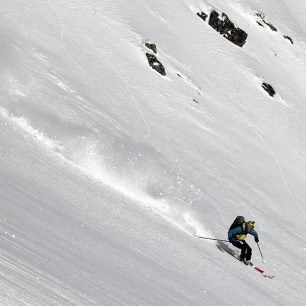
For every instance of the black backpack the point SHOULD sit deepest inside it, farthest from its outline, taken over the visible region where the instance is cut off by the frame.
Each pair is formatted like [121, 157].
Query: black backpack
[237, 222]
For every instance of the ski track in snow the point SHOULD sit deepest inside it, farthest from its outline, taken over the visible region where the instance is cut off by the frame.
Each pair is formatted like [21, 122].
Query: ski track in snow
[280, 170]
[257, 131]
[143, 118]
[60, 20]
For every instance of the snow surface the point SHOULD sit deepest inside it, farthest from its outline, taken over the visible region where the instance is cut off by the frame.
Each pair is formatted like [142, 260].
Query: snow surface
[109, 170]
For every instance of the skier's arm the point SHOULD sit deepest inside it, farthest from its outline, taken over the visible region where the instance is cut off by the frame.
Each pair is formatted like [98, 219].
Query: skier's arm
[254, 233]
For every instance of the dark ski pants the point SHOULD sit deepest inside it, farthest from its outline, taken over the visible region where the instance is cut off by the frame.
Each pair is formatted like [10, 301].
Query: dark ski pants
[246, 251]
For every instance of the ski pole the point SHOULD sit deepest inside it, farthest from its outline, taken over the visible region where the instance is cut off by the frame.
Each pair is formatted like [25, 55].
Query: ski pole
[207, 238]
[260, 252]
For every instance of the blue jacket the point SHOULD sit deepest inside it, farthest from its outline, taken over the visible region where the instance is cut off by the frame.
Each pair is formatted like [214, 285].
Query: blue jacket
[238, 233]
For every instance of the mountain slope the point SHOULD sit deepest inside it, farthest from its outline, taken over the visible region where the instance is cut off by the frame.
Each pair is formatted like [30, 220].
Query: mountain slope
[109, 170]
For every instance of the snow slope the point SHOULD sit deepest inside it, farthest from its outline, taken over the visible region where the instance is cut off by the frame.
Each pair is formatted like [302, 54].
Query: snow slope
[109, 170]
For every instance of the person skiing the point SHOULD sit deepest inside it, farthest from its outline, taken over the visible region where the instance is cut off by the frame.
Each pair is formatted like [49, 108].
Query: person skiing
[236, 236]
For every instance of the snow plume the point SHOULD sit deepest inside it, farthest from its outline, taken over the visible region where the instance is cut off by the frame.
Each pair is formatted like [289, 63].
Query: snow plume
[137, 171]
[147, 178]
[24, 124]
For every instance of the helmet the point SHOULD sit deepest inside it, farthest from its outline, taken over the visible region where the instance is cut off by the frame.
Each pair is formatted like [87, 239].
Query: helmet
[250, 225]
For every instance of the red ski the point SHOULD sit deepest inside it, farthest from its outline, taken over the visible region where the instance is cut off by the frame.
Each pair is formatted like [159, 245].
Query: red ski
[235, 254]
[263, 273]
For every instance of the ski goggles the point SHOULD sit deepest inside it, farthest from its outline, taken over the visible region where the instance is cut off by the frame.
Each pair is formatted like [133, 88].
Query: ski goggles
[250, 224]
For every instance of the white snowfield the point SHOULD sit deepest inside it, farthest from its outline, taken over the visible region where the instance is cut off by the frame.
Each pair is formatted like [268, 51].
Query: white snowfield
[108, 170]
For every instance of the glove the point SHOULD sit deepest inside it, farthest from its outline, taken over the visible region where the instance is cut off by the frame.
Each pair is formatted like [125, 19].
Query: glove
[256, 239]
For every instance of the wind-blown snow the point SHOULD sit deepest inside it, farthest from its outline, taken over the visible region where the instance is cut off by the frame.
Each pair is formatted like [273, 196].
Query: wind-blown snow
[109, 170]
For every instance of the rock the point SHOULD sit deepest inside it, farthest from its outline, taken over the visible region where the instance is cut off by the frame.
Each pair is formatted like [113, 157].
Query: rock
[155, 64]
[202, 15]
[289, 38]
[270, 26]
[151, 47]
[269, 89]
[262, 17]
[226, 28]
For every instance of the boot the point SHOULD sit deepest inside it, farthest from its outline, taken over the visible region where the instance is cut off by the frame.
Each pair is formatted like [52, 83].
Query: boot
[246, 262]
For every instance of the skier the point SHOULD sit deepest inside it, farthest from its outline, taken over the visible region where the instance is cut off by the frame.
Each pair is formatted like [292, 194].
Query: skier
[237, 235]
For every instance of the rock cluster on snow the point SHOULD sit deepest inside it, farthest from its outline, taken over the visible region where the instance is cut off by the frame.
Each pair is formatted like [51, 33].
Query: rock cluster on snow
[225, 27]
[262, 17]
[270, 25]
[152, 59]
[269, 89]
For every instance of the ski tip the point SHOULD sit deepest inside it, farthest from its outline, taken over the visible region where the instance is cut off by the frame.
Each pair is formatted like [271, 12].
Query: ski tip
[269, 276]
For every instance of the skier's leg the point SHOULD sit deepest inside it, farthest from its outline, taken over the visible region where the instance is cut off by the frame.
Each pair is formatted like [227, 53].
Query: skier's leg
[240, 245]
[248, 249]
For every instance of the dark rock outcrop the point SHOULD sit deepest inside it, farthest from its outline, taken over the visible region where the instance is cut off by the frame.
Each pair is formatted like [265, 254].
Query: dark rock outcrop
[202, 15]
[270, 25]
[289, 38]
[151, 47]
[269, 89]
[225, 27]
[273, 28]
[155, 64]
